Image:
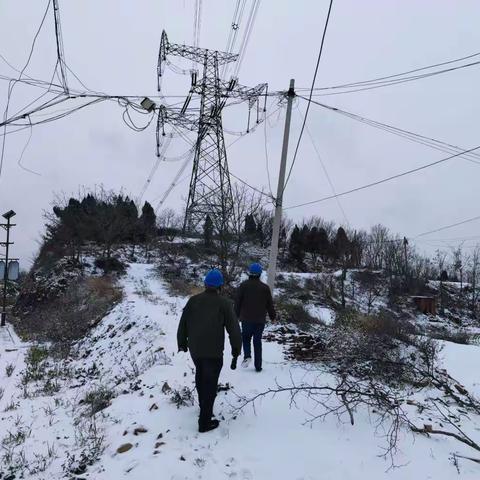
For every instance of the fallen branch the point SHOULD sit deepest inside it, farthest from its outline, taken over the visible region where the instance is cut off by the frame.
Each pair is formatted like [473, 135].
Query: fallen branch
[427, 432]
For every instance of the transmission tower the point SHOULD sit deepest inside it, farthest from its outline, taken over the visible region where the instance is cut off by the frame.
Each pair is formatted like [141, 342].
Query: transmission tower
[210, 191]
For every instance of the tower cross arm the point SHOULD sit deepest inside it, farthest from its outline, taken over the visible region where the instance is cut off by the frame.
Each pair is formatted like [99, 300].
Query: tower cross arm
[177, 118]
[246, 93]
[196, 54]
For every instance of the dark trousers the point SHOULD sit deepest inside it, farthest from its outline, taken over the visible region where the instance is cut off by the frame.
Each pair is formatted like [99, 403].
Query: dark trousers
[255, 330]
[206, 381]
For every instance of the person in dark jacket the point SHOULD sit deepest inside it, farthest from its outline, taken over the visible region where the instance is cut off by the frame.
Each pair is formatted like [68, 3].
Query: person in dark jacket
[201, 330]
[253, 302]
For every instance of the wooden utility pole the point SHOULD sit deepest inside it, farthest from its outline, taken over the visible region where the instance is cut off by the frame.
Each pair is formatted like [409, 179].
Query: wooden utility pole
[277, 221]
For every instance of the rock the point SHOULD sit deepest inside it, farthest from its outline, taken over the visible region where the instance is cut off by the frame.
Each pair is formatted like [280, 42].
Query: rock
[140, 430]
[159, 444]
[125, 432]
[427, 427]
[183, 459]
[124, 448]
[160, 435]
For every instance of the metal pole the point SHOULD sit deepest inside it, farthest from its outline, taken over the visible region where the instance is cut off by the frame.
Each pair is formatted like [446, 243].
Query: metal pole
[272, 266]
[5, 276]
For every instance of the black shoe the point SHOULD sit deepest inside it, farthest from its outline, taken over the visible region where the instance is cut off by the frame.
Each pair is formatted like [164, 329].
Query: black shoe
[259, 369]
[206, 427]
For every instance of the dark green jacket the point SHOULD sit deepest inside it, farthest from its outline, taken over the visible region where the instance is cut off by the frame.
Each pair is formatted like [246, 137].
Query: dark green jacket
[254, 301]
[202, 327]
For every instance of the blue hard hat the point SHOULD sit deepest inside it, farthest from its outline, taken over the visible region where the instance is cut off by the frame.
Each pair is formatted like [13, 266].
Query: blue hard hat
[214, 278]
[255, 269]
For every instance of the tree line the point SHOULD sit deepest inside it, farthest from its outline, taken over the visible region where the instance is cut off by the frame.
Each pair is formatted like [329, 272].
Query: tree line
[106, 218]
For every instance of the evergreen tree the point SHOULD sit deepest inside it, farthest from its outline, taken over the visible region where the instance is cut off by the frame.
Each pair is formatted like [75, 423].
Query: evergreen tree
[296, 246]
[250, 229]
[341, 245]
[323, 243]
[208, 231]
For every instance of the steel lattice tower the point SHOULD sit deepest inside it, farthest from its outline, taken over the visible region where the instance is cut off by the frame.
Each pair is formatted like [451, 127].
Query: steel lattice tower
[210, 188]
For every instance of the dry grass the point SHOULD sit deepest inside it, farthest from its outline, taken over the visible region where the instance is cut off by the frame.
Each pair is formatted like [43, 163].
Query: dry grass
[69, 316]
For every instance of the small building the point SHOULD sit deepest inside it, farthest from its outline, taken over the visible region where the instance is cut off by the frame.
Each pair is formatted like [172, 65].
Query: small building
[427, 305]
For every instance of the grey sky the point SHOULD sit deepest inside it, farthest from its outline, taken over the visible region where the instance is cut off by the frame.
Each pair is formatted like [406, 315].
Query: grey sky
[112, 45]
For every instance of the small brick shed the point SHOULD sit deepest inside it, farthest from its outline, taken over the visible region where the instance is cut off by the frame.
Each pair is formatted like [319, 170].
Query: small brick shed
[427, 305]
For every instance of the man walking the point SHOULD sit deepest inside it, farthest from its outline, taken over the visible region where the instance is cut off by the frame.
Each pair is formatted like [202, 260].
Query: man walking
[253, 302]
[202, 327]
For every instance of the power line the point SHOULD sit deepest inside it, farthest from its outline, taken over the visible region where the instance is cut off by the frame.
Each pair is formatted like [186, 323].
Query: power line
[384, 180]
[246, 36]
[428, 67]
[235, 28]
[463, 222]
[396, 78]
[409, 135]
[13, 83]
[311, 93]
[324, 169]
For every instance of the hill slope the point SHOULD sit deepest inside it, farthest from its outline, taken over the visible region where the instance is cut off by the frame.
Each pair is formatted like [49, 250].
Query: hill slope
[126, 387]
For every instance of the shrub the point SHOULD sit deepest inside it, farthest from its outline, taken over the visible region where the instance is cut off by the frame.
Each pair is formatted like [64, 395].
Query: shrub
[98, 399]
[381, 325]
[34, 364]
[296, 314]
[9, 369]
[109, 265]
[70, 315]
[182, 398]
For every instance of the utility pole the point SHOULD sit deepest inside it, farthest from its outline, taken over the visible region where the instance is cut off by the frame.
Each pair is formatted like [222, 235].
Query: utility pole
[7, 226]
[405, 254]
[277, 222]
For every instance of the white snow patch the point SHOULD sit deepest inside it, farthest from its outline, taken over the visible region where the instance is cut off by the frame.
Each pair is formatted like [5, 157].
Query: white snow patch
[324, 314]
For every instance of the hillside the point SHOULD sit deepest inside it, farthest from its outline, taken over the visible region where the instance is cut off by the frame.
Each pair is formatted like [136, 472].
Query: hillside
[339, 397]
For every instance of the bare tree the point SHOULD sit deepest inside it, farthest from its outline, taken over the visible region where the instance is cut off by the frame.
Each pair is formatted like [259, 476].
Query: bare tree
[169, 223]
[474, 278]
[245, 202]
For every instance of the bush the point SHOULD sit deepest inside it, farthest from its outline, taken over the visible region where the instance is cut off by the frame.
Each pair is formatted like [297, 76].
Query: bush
[98, 399]
[182, 398]
[9, 369]
[380, 325]
[109, 265]
[295, 313]
[69, 316]
[35, 365]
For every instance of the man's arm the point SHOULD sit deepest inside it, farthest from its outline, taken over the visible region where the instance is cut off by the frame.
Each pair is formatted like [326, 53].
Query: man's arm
[270, 306]
[239, 300]
[233, 329]
[182, 332]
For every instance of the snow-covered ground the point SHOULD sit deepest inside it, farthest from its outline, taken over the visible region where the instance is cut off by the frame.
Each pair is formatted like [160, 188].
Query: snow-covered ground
[133, 351]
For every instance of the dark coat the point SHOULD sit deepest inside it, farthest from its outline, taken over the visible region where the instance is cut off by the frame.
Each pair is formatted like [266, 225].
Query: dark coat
[254, 301]
[203, 323]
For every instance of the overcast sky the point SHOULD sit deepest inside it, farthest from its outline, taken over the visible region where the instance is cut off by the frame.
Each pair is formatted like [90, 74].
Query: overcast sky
[112, 46]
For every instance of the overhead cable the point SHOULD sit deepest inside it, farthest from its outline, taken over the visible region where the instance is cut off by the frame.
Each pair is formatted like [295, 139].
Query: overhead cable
[409, 135]
[384, 180]
[311, 93]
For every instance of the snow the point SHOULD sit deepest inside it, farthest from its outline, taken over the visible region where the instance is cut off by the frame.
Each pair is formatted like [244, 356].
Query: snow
[274, 440]
[462, 363]
[324, 314]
